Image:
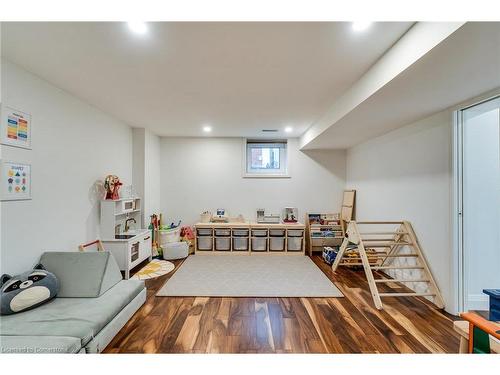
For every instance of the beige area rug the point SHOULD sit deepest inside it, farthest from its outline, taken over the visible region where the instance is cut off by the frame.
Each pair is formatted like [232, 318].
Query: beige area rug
[249, 276]
[154, 269]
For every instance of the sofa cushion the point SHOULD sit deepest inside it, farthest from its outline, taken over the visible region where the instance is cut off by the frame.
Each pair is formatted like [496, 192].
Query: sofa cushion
[39, 344]
[81, 318]
[82, 274]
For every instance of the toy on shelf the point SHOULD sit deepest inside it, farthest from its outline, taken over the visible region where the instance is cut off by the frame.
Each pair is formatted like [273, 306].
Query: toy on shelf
[220, 216]
[290, 215]
[112, 184]
[264, 218]
[205, 217]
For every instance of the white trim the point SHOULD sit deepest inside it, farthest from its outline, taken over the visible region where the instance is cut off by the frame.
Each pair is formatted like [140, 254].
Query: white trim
[250, 175]
[458, 271]
[478, 302]
[457, 236]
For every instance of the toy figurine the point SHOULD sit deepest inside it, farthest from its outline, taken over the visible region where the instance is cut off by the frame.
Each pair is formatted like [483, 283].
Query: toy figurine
[112, 184]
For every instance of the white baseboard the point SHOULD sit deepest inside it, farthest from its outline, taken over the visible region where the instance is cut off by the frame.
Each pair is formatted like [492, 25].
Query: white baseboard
[477, 302]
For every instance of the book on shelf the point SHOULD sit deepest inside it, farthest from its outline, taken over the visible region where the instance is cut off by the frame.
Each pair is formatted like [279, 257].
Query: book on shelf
[324, 219]
[326, 233]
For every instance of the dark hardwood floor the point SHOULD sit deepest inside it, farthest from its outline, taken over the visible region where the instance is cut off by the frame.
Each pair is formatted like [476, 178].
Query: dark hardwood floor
[288, 325]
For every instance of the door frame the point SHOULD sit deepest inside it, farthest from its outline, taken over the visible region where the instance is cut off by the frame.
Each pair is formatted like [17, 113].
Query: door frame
[459, 279]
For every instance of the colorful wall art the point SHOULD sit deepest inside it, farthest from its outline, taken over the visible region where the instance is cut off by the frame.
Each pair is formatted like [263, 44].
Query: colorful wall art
[15, 180]
[16, 128]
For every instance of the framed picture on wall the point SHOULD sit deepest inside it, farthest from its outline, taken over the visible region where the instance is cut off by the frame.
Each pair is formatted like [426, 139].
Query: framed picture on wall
[15, 127]
[15, 181]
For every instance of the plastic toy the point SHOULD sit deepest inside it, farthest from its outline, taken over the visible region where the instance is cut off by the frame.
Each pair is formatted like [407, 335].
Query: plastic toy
[494, 303]
[329, 254]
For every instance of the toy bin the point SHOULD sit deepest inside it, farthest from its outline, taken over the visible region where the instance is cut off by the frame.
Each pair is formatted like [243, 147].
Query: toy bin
[276, 232]
[259, 232]
[175, 250]
[295, 233]
[294, 244]
[204, 231]
[222, 243]
[240, 232]
[259, 244]
[222, 232]
[204, 243]
[169, 236]
[277, 244]
[240, 244]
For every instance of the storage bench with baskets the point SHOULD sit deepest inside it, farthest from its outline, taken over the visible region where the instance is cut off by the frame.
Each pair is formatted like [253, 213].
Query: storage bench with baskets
[250, 238]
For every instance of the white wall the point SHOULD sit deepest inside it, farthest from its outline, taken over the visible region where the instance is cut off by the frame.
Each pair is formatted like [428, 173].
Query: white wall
[146, 171]
[200, 174]
[151, 175]
[74, 147]
[407, 174]
[138, 161]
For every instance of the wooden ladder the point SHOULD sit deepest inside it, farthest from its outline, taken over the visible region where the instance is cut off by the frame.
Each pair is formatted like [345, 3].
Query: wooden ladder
[386, 247]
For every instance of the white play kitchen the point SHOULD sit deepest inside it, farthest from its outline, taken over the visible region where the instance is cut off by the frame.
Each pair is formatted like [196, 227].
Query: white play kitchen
[130, 246]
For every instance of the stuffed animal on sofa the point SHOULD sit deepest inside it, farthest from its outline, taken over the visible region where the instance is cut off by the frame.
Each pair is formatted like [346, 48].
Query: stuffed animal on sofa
[27, 290]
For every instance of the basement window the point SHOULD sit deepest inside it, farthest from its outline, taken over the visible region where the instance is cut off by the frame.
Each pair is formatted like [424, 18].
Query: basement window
[265, 158]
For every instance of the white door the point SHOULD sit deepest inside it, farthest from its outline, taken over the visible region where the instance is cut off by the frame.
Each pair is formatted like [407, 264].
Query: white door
[480, 202]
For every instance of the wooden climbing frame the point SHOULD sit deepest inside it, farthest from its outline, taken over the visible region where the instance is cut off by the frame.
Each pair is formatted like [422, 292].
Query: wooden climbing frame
[387, 246]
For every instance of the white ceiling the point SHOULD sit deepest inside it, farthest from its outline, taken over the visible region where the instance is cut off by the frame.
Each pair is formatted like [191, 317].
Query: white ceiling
[238, 77]
[463, 66]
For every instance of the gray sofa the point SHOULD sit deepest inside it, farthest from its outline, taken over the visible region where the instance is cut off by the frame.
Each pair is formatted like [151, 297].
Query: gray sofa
[93, 304]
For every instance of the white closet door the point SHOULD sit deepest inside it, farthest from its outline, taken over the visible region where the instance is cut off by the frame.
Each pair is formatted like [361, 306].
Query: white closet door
[481, 202]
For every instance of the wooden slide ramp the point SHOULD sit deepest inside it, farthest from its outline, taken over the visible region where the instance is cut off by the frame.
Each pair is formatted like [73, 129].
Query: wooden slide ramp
[382, 249]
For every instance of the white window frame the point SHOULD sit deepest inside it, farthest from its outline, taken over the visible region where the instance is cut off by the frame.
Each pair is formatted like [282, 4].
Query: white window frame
[458, 269]
[284, 160]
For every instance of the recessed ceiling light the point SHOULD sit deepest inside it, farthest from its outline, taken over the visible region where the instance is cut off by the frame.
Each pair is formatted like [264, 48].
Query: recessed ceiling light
[361, 25]
[138, 27]
[207, 129]
[288, 129]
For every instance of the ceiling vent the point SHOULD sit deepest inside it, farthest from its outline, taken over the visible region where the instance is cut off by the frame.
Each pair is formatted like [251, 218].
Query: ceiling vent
[270, 130]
